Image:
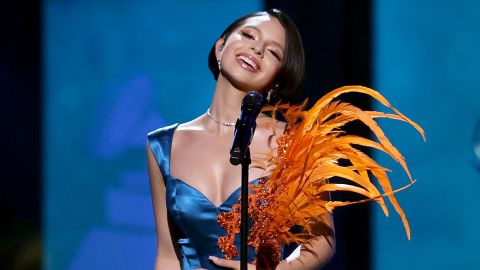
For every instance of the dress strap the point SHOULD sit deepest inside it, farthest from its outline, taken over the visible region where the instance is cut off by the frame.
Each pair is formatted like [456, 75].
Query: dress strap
[160, 142]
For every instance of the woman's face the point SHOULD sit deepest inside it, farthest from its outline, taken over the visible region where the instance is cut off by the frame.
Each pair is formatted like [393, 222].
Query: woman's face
[253, 53]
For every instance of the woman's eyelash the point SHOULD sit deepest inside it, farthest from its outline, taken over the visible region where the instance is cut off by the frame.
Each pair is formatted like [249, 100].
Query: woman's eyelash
[248, 35]
[275, 54]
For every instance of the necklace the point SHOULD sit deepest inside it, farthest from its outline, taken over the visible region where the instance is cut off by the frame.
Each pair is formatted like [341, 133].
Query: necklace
[227, 124]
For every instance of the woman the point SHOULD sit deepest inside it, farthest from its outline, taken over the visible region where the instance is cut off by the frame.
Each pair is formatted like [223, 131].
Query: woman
[191, 178]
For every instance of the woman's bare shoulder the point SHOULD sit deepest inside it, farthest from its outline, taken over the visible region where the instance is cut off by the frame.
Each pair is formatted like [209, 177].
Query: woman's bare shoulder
[196, 124]
[188, 131]
[271, 125]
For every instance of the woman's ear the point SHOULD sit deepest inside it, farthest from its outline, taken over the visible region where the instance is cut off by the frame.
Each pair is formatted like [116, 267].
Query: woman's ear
[219, 46]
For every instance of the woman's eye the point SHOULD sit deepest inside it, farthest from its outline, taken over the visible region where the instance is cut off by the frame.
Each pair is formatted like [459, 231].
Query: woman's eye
[275, 54]
[249, 36]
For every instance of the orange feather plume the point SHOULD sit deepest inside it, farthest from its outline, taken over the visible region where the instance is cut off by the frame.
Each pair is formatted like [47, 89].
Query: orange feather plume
[307, 156]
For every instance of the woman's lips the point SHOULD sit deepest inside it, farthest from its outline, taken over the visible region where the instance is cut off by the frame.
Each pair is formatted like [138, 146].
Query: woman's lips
[248, 62]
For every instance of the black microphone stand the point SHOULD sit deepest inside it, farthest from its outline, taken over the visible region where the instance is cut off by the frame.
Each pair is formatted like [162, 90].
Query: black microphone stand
[244, 210]
[240, 154]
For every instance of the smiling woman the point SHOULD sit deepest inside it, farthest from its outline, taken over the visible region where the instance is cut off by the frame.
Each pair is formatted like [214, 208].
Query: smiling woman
[191, 178]
[289, 51]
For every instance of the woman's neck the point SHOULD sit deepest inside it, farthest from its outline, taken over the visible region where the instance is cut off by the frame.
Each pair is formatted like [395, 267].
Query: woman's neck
[227, 101]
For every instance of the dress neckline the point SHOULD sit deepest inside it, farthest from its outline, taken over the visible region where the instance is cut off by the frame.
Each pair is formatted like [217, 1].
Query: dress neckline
[225, 202]
[229, 197]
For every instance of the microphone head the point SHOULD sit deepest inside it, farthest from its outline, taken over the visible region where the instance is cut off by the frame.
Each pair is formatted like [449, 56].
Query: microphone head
[252, 99]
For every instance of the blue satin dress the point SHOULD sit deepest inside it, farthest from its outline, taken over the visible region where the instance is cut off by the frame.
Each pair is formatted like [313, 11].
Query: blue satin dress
[193, 215]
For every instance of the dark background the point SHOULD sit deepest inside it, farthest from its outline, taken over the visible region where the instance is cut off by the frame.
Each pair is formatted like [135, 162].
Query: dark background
[20, 143]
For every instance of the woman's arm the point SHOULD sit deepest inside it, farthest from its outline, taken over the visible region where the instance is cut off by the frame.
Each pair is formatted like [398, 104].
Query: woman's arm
[318, 252]
[166, 257]
[321, 251]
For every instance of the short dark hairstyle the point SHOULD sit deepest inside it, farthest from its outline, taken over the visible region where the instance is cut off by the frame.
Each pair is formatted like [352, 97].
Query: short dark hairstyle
[291, 75]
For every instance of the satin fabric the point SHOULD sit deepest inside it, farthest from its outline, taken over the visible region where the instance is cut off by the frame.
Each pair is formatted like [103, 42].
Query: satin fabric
[194, 217]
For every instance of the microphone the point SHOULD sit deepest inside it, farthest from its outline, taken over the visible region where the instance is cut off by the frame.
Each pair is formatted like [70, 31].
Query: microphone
[245, 126]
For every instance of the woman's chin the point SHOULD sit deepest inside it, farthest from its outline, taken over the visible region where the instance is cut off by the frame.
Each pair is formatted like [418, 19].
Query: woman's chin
[242, 82]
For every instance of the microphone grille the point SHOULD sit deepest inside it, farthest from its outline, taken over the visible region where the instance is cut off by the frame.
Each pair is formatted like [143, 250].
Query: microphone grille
[253, 98]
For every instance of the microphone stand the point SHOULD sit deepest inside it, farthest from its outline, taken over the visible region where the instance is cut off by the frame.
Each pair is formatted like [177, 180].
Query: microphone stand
[240, 154]
[244, 210]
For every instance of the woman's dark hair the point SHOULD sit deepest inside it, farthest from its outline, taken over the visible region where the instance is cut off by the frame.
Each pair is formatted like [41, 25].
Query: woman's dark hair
[292, 72]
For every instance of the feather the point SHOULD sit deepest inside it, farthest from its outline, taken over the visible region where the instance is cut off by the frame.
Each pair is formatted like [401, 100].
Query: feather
[309, 154]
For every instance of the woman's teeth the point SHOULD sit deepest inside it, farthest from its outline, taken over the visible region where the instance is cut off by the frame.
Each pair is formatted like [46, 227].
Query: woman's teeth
[248, 61]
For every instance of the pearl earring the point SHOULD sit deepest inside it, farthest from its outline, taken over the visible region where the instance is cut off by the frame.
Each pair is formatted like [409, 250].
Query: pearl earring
[218, 62]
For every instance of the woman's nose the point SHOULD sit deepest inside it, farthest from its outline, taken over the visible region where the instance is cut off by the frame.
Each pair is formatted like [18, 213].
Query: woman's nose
[257, 50]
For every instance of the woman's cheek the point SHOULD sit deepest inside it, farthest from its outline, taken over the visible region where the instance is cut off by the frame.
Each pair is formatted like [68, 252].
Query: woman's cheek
[275, 68]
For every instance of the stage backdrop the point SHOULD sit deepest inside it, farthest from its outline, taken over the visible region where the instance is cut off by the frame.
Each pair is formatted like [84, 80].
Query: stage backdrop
[426, 63]
[115, 70]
